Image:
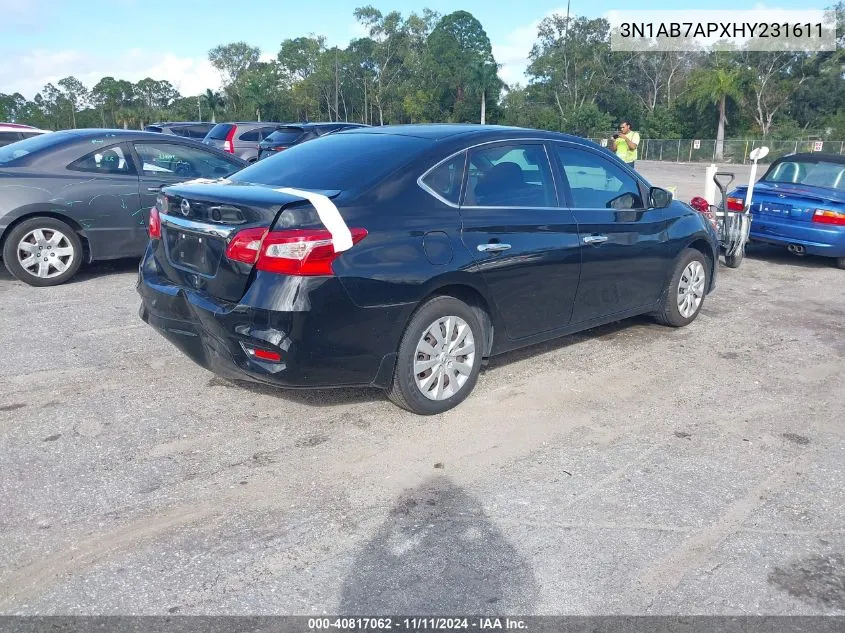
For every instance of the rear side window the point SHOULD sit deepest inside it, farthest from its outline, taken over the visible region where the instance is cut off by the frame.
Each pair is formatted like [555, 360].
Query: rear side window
[285, 135]
[106, 160]
[16, 150]
[510, 175]
[9, 137]
[444, 181]
[220, 131]
[153, 128]
[179, 131]
[357, 161]
[596, 183]
[252, 135]
[197, 131]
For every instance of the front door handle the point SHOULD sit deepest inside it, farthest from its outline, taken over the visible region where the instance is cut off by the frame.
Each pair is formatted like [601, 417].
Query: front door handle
[493, 247]
[595, 239]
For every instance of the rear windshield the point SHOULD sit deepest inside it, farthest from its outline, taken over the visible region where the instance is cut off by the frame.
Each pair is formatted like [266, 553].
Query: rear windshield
[811, 173]
[11, 153]
[220, 131]
[355, 160]
[285, 135]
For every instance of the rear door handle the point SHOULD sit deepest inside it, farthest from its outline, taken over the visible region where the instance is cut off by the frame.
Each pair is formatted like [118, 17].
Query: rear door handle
[595, 239]
[493, 247]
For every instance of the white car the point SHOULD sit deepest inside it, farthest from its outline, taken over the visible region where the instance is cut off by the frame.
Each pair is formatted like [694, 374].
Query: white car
[13, 132]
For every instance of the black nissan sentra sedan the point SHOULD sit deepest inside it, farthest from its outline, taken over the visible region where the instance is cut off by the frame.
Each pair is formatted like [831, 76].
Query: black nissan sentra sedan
[402, 257]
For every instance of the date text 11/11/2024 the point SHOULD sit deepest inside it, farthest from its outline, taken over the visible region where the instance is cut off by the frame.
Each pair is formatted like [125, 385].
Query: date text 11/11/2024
[416, 624]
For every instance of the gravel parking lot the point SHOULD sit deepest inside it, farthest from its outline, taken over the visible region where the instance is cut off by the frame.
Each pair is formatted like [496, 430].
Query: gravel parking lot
[632, 469]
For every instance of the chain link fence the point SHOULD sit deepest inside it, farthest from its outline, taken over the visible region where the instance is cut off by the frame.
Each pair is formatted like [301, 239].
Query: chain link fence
[735, 150]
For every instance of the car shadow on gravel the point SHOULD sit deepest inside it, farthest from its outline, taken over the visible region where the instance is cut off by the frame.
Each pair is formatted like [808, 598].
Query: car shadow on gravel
[349, 395]
[779, 256]
[438, 553]
[90, 271]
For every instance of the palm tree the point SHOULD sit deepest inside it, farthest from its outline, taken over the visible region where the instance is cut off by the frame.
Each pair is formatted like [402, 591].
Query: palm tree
[485, 79]
[214, 100]
[715, 85]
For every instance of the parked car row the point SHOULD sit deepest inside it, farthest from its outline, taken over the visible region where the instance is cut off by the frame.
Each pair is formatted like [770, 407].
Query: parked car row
[399, 257]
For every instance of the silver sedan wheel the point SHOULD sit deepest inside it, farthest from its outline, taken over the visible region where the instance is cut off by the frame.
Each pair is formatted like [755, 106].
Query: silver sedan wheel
[691, 289]
[444, 358]
[45, 253]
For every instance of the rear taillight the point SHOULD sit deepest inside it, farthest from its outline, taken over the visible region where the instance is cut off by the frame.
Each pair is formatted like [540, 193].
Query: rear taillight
[826, 216]
[735, 204]
[246, 245]
[279, 148]
[154, 225]
[229, 143]
[299, 252]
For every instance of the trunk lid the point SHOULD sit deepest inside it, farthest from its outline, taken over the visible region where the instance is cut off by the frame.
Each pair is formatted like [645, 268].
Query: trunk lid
[200, 220]
[790, 202]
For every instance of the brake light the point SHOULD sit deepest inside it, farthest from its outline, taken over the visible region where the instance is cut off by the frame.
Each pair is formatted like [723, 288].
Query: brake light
[229, 144]
[735, 204]
[826, 216]
[299, 252]
[246, 245]
[154, 225]
[279, 148]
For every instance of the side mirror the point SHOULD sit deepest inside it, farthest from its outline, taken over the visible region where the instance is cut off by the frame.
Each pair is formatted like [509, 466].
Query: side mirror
[659, 198]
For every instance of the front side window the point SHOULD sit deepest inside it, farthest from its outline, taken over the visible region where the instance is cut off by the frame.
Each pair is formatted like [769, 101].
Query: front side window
[510, 175]
[596, 183]
[105, 160]
[445, 179]
[171, 159]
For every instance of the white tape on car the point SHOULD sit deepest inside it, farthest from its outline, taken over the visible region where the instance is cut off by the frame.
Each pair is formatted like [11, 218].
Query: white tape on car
[329, 216]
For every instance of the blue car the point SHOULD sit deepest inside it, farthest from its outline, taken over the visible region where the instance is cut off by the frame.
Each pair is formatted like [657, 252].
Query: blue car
[799, 203]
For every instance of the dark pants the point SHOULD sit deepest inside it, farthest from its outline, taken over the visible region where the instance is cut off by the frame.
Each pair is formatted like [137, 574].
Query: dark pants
[631, 165]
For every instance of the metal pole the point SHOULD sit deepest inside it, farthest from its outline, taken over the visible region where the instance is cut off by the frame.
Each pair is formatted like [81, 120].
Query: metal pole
[796, 147]
[679, 151]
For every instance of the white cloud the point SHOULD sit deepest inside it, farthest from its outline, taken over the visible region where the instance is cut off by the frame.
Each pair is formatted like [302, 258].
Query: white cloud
[512, 52]
[28, 73]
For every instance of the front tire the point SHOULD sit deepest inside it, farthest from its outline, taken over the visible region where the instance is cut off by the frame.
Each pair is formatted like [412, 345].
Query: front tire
[42, 251]
[439, 357]
[685, 294]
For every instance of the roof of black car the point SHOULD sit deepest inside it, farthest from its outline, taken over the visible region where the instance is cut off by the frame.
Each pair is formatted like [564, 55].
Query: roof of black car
[439, 131]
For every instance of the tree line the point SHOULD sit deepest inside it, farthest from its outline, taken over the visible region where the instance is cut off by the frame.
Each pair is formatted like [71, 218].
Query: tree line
[427, 67]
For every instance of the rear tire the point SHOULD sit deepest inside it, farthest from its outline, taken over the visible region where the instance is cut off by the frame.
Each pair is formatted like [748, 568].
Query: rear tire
[685, 295]
[439, 357]
[42, 252]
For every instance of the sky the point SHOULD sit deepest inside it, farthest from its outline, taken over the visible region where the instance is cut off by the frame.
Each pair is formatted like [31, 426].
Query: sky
[43, 41]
